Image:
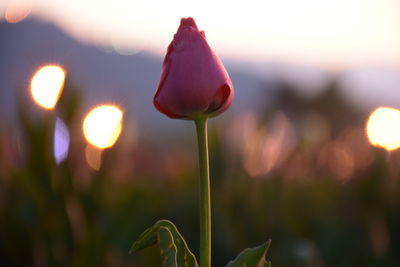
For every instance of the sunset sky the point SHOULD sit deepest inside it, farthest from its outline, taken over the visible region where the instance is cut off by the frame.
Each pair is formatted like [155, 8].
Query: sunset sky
[337, 34]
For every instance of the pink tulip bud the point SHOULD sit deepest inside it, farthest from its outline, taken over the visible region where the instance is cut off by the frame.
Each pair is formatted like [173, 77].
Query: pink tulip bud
[194, 82]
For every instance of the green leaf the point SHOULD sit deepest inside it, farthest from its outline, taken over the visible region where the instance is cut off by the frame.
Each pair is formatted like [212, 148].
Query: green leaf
[168, 250]
[252, 257]
[173, 248]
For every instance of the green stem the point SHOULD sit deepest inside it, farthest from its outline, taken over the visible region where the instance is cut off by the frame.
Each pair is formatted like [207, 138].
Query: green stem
[205, 206]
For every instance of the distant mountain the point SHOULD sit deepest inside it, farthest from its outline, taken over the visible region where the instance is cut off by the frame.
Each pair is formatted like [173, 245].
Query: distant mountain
[129, 81]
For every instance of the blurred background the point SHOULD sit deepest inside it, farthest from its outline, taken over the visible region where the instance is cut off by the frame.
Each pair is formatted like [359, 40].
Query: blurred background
[87, 163]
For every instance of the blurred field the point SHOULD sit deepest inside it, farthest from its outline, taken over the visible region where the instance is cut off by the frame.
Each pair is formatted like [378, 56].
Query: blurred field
[300, 172]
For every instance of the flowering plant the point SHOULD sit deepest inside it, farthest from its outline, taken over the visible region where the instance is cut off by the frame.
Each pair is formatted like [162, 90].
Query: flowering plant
[194, 85]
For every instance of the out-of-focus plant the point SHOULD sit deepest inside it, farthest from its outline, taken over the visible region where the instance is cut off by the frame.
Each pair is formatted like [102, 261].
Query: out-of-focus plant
[332, 199]
[194, 86]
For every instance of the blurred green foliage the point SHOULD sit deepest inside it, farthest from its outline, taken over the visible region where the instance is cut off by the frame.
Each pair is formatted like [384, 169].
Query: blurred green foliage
[70, 215]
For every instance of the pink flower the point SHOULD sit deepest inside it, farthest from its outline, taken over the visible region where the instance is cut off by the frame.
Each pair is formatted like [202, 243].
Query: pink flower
[194, 82]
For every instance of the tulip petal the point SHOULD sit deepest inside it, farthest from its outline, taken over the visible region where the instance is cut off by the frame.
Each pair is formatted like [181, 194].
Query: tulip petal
[166, 111]
[188, 22]
[219, 99]
[193, 80]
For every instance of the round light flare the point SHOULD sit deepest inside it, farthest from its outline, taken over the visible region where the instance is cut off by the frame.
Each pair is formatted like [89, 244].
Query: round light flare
[102, 126]
[383, 128]
[47, 84]
[18, 10]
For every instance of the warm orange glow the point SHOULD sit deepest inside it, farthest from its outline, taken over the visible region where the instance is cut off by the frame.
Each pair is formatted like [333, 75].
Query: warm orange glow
[367, 31]
[262, 147]
[383, 128]
[17, 10]
[93, 157]
[102, 126]
[47, 85]
[338, 159]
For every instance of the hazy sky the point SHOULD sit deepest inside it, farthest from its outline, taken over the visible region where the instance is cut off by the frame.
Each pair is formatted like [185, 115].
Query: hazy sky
[333, 33]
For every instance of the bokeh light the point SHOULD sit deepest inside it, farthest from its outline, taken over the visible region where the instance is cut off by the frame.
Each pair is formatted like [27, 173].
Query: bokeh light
[383, 128]
[61, 141]
[47, 85]
[102, 126]
[262, 147]
[17, 10]
[93, 157]
[336, 158]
